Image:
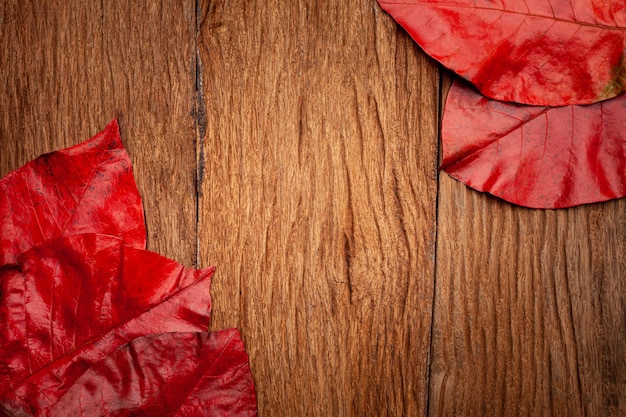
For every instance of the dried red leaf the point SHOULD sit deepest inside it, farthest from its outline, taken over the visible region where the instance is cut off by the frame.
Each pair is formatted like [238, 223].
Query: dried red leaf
[72, 301]
[541, 52]
[92, 323]
[86, 188]
[170, 374]
[541, 157]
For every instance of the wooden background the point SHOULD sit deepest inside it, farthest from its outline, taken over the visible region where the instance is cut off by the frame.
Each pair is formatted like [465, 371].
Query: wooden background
[294, 144]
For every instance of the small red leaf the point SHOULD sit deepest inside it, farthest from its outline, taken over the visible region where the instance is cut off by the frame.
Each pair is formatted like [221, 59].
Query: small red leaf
[72, 301]
[170, 374]
[86, 188]
[541, 52]
[541, 157]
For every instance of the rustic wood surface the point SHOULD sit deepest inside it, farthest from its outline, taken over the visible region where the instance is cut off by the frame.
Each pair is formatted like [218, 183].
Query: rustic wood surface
[294, 144]
[529, 309]
[318, 202]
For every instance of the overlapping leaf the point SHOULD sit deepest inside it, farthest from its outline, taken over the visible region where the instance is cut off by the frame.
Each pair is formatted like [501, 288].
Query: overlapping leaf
[72, 301]
[541, 52]
[170, 374]
[92, 324]
[86, 188]
[542, 157]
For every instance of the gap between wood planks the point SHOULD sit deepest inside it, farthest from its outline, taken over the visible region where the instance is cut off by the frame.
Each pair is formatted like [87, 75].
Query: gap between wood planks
[444, 85]
[200, 121]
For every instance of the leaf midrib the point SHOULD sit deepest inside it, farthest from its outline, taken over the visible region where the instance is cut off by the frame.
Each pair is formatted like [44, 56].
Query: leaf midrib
[85, 189]
[553, 18]
[497, 138]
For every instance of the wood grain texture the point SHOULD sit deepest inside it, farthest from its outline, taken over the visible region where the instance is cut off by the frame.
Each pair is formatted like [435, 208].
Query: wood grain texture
[318, 202]
[68, 68]
[311, 128]
[530, 315]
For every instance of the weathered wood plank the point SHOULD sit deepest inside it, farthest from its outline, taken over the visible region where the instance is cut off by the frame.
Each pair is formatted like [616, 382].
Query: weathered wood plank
[529, 314]
[68, 68]
[318, 202]
[317, 152]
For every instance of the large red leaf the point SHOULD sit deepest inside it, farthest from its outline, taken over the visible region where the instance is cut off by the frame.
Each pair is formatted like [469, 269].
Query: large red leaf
[86, 188]
[541, 157]
[171, 374]
[72, 301]
[542, 52]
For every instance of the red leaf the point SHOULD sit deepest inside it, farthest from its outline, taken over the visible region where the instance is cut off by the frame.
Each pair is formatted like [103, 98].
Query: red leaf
[542, 52]
[171, 374]
[72, 301]
[541, 157]
[86, 188]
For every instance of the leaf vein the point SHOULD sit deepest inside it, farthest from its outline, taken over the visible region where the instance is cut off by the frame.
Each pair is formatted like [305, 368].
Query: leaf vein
[458, 6]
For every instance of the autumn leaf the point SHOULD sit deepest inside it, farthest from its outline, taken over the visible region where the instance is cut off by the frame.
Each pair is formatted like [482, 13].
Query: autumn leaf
[81, 300]
[540, 52]
[71, 302]
[86, 188]
[170, 374]
[541, 157]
